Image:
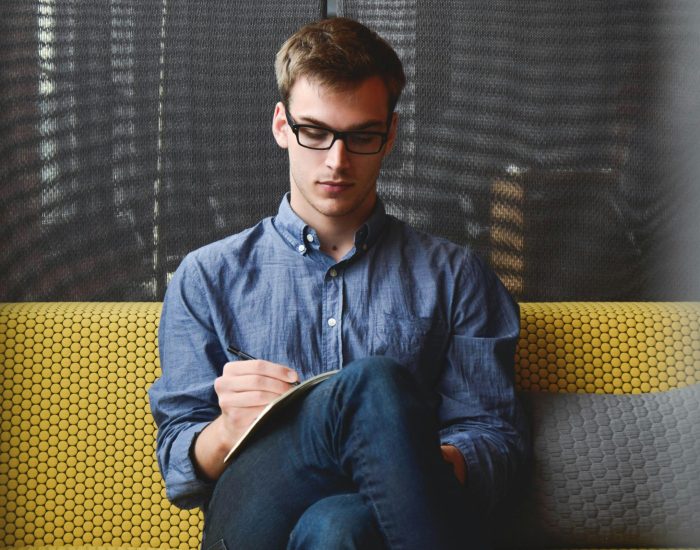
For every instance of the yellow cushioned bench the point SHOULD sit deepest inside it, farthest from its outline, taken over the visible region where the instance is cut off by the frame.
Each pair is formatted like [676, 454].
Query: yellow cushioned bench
[77, 461]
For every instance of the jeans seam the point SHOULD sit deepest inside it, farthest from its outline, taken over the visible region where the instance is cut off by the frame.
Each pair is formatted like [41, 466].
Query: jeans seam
[218, 545]
[370, 492]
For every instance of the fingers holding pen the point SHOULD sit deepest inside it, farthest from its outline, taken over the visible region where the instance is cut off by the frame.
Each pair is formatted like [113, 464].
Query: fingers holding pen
[244, 389]
[252, 383]
[258, 367]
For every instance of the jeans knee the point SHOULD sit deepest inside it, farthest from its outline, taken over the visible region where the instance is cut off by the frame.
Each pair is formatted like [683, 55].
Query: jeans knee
[339, 522]
[382, 383]
[378, 370]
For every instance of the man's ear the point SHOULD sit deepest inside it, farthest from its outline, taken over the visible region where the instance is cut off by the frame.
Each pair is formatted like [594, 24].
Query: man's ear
[279, 123]
[393, 127]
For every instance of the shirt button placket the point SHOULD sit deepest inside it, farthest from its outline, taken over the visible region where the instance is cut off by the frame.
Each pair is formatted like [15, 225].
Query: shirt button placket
[333, 309]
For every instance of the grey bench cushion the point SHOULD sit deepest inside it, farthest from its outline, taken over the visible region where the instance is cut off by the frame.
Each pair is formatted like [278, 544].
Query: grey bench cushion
[611, 470]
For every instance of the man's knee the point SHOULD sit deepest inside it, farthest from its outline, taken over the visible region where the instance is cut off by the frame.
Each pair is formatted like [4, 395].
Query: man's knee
[379, 371]
[383, 392]
[340, 521]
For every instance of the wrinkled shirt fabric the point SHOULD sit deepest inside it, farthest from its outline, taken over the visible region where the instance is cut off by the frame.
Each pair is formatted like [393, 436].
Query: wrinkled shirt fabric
[426, 302]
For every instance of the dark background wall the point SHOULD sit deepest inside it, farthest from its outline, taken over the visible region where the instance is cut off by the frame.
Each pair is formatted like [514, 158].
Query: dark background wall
[558, 140]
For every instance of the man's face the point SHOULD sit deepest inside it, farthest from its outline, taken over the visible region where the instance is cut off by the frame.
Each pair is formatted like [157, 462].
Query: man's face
[334, 185]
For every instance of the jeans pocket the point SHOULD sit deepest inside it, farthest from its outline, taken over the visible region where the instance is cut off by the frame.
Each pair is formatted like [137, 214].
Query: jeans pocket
[218, 545]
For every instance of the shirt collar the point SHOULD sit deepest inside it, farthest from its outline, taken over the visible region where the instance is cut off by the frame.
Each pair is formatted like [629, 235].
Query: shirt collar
[302, 236]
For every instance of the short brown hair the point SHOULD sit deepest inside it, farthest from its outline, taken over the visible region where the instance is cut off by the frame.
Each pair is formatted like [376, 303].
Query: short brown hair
[338, 52]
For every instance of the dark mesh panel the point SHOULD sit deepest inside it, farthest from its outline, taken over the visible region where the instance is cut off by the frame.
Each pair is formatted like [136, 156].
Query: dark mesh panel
[79, 143]
[546, 136]
[560, 142]
[222, 170]
[132, 132]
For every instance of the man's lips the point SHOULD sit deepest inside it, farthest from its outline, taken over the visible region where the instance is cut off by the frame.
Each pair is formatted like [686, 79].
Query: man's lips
[335, 185]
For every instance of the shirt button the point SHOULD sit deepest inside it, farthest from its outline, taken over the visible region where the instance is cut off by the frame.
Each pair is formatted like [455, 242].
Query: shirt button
[332, 322]
[301, 248]
[333, 273]
[310, 238]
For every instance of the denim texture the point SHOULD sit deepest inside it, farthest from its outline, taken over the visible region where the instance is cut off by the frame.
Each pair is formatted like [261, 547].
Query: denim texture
[342, 521]
[429, 304]
[362, 444]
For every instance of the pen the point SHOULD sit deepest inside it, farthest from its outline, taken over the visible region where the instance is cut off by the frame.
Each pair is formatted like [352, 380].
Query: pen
[246, 356]
[240, 354]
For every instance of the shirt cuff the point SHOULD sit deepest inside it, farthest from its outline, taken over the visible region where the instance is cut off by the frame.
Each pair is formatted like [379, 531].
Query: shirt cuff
[185, 486]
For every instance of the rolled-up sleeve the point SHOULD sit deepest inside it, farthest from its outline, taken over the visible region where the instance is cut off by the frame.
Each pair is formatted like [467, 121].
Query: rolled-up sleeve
[183, 400]
[479, 411]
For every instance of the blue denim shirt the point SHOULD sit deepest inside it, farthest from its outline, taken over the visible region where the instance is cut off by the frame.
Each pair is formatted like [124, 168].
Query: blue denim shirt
[432, 305]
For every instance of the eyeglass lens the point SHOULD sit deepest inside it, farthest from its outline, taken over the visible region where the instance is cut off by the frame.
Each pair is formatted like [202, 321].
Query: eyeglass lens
[355, 142]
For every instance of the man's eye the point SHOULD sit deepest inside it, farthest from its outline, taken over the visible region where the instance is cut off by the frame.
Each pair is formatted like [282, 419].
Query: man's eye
[363, 138]
[313, 133]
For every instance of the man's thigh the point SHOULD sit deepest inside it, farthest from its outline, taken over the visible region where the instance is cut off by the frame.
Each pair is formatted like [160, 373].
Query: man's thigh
[277, 475]
[347, 435]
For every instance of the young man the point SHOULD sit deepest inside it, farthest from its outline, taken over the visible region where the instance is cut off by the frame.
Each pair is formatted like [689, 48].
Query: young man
[419, 433]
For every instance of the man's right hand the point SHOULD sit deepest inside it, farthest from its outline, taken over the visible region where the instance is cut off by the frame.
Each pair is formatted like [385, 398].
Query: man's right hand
[244, 389]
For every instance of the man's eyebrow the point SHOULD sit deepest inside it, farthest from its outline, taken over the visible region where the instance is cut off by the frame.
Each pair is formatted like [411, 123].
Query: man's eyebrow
[355, 128]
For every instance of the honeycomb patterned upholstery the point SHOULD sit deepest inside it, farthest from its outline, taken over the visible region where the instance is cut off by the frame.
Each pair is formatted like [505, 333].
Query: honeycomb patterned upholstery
[77, 460]
[604, 347]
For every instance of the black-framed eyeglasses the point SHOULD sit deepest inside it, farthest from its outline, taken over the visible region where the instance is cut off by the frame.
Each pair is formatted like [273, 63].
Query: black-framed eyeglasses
[322, 139]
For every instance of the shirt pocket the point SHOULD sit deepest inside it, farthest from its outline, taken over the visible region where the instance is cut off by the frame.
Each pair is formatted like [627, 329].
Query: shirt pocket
[416, 343]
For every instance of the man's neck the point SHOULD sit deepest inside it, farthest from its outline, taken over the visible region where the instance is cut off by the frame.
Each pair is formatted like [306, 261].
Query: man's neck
[336, 243]
[337, 234]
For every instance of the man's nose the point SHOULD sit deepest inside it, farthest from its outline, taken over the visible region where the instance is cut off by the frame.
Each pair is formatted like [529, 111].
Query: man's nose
[338, 155]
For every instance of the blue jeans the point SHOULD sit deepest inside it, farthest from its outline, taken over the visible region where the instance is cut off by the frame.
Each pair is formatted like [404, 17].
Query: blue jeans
[355, 464]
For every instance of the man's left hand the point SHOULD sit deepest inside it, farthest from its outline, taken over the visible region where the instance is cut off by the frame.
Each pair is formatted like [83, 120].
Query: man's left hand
[452, 455]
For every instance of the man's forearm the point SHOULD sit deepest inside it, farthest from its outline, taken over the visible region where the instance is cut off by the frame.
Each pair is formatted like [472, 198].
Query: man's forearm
[210, 449]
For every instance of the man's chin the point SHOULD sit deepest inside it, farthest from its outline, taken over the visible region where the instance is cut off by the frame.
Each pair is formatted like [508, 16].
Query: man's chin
[338, 208]
[338, 205]
[335, 210]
